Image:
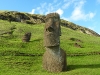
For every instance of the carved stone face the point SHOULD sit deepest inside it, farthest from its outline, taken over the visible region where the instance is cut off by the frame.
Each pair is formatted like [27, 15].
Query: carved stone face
[52, 30]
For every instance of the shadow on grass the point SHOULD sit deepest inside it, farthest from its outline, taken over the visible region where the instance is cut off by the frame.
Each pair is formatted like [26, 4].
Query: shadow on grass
[36, 40]
[72, 67]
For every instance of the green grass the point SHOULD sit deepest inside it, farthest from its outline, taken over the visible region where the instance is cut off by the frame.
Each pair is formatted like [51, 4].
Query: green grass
[17, 58]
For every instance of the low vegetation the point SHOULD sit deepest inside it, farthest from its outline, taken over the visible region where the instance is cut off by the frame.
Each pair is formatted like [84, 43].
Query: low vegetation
[25, 58]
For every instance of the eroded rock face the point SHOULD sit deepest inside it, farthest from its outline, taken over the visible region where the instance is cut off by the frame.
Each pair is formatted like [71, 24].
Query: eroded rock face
[26, 37]
[54, 59]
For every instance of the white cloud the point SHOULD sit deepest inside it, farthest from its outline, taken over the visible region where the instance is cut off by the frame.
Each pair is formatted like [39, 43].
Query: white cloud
[39, 10]
[65, 18]
[67, 3]
[59, 11]
[92, 27]
[32, 12]
[61, 6]
[91, 15]
[79, 3]
[45, 8]
[53, 7]
[98, 1]
[43, 5]
[79, 14]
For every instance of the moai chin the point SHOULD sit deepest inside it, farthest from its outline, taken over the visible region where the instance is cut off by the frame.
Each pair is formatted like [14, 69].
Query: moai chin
[54, 59]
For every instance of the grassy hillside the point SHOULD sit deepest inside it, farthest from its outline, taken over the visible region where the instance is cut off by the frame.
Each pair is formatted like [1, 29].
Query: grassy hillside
[20, 58]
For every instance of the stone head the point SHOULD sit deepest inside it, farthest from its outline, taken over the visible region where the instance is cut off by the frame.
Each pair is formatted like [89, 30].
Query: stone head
[52, 30]
[26, 37]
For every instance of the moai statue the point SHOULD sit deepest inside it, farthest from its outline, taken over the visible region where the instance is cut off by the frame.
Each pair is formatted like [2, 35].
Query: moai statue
[54, 59]
[26, 37]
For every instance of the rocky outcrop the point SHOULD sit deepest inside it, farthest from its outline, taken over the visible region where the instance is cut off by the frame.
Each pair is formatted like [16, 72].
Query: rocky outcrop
[26, 37]
[78, 28]
[22, 17]
[37, 19]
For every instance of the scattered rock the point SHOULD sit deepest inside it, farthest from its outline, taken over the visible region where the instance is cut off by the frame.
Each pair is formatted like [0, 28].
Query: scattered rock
[26, 37]
[77, 45]
[75, 39]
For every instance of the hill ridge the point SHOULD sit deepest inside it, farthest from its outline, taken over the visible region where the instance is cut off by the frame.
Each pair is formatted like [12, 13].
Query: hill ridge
[37, 19]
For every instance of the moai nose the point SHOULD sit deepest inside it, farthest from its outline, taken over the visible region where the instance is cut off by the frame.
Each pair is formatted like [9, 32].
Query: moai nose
[50, 27]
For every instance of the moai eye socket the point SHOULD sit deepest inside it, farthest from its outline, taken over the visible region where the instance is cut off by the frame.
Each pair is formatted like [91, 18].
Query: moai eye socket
[50, 29]
[49, 19]
[46, 20]
[55, 19]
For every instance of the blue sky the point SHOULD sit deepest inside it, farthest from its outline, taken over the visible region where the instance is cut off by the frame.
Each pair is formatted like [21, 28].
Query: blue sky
[81, 12]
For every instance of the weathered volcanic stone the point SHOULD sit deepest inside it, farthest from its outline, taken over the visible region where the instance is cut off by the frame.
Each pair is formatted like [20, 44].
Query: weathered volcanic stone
[26, 37]
[52, 30]
[54, 59]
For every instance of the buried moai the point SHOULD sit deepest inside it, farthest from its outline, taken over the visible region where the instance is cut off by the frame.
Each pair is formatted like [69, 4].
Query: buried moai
[54, 59]
[26, 37]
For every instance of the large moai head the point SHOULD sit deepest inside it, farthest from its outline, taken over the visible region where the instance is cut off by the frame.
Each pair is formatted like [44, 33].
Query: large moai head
[52, 30]
[54, 59]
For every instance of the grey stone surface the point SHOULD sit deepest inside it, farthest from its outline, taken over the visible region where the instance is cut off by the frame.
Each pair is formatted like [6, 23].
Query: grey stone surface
[54, 59]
